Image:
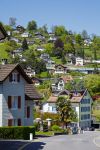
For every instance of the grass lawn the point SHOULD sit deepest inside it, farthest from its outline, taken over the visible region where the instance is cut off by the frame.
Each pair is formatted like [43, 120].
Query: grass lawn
[3, 53]
[49, 133]
[58, 61]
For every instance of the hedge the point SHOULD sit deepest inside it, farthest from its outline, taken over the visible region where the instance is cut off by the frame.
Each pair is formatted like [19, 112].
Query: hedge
[16, 132]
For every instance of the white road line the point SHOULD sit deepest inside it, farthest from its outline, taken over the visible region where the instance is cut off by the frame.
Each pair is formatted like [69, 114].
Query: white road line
[94, 141]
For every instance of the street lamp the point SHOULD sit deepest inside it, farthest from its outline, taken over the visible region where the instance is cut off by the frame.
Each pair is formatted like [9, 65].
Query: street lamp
[3, 33]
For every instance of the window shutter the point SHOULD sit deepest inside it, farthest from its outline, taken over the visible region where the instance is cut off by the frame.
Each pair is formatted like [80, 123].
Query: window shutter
[19, 122]
[10, 122]
[9, 102]
[10, 77]
[18, 77]
[19, 101]
[28, 112]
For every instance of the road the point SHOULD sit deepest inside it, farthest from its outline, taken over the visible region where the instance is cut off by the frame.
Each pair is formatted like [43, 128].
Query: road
[90, 140]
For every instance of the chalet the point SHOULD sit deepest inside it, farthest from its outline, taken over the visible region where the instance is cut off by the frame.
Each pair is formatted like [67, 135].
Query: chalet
[57, 85]
[60, 69]
[81, 103]
[16, 96]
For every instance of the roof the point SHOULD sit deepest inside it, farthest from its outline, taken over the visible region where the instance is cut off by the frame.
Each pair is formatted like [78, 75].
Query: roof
[75, 98]
[3, 33]
[31, 93]
[60, 65]
[52, 99]
[66, 78]
[7, 69]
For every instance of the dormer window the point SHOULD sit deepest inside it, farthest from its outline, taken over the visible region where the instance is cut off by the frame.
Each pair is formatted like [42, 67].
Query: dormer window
[14, 77]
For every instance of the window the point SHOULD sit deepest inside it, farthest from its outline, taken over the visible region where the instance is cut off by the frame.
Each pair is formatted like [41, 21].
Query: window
[14, 122]
[85, 117]
[27, 112]
[54, 109]
[14, 77]
[14, 102]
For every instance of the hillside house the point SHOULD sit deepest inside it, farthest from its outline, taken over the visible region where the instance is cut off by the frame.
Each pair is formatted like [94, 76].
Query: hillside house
[29, 71]
[60, 69]
[16, 96]
[50, 65]
[81, 103]
[79, 61]
[57, 85]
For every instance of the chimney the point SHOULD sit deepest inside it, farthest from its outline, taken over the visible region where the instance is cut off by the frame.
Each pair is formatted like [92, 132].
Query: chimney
[4, 61]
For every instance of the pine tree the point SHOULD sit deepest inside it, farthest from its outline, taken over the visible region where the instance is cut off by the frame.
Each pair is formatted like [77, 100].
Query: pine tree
[24, 44]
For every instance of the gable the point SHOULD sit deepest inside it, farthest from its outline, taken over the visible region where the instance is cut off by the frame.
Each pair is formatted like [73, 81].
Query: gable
[7, 69]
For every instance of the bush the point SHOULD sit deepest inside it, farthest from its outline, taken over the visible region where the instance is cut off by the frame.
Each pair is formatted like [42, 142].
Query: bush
[56, 128]
[16, 132]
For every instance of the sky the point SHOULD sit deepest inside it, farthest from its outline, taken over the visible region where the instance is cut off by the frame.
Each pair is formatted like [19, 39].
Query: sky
[75, 15]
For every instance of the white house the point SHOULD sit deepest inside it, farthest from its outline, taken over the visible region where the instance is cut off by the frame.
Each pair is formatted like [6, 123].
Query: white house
[57, 85]
[81, 103]
[79, 61]
[25, 34]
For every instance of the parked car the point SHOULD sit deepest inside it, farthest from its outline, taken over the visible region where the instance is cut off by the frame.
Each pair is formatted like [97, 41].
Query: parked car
[91, 129]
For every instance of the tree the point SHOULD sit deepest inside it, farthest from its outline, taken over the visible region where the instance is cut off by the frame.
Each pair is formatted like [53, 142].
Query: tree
[32, 25]
[12, 21]
[92, 82]
[24, 44]
[64, 108]
[84, 34]
[59, 30]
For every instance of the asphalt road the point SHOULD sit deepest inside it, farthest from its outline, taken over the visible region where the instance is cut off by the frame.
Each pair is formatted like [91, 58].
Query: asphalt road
[90, 140]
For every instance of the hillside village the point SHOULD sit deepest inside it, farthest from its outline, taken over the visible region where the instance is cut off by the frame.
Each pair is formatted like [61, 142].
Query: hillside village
[58, 63]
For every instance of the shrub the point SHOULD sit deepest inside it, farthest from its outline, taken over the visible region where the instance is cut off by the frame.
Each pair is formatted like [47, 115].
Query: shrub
[16, 132]
[56, 128]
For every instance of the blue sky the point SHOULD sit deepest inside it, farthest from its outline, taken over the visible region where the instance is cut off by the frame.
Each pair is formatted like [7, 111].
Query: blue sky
[75, 15]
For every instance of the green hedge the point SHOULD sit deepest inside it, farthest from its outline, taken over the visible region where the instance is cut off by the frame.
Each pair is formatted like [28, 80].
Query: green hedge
[16, 132]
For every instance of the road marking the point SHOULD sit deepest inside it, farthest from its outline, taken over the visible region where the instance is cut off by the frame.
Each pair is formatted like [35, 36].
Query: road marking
[23, 146]
[94, 141]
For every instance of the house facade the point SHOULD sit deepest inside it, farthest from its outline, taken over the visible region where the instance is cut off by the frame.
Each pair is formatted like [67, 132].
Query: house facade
[81, 103]
[58, 85]
[16, 96]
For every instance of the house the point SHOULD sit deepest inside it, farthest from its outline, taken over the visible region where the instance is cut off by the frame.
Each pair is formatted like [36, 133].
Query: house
[36, 81]
[16, 96]
[81, 103]
[39, 36]
[45, 57]
[39, 48]
[60, 69]
[25, 35]
[29, 71]
[79, 61]
[50, 105]
[50, 65]
[57, 85]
